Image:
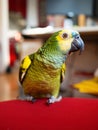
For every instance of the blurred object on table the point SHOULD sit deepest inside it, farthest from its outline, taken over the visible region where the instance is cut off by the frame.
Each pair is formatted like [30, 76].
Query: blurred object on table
[17, 21]
[89, 86]
[56, 20]
[15, 39]
[69, 20]
[81, 20]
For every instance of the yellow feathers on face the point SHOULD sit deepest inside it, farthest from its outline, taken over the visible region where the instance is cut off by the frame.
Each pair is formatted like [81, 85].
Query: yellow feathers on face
[64, 39]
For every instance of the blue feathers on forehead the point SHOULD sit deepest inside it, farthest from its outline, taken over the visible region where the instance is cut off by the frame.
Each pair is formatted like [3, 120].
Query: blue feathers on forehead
[74, 34]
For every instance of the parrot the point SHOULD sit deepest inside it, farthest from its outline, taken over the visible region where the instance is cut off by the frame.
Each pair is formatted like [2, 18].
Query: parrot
[41, 73]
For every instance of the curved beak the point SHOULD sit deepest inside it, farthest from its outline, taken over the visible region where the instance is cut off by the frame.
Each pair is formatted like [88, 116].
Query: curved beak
[77, 44]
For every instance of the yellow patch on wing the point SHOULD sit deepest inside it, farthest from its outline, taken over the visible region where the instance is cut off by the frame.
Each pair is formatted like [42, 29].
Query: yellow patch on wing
[23, 68]
[63, 69]
[65, 44]
[25, 63]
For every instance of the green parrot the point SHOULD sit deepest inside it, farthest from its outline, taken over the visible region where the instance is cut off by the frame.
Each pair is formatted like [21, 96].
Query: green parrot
[41, 73]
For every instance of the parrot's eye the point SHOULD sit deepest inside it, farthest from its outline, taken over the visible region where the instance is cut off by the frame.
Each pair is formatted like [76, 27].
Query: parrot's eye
[77, 37]
[65, 35]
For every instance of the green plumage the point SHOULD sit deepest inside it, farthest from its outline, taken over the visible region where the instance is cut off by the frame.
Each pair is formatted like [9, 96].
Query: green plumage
[42, 78]
[41, 73]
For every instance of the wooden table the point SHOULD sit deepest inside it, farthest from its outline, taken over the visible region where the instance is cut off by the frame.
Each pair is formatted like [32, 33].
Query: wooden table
[88, 33]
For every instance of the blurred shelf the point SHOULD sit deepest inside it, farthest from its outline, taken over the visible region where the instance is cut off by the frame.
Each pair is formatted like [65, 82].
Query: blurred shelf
[89, 33]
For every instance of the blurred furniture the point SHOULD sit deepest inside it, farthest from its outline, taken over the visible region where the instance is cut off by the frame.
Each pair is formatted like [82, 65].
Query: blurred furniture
[88, 33]
[14, 49]
[29, 46]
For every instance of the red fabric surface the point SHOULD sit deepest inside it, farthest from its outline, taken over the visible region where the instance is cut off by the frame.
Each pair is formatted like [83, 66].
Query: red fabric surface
[69, 114]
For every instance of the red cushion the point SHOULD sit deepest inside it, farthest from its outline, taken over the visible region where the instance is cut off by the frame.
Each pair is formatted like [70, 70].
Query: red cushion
[69, 114]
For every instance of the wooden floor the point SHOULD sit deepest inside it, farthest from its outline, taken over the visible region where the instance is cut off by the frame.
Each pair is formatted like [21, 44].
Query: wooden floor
[8, 86]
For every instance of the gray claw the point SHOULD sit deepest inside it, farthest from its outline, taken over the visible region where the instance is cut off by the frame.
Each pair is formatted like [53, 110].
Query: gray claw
[22, 96]
[53, 99]
[33, 100]
[27, 98]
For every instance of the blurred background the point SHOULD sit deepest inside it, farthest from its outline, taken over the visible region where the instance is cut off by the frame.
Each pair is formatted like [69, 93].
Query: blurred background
[26, 24]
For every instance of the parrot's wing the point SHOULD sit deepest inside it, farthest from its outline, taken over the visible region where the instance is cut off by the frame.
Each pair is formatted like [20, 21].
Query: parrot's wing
[24, 67]
[63, 69]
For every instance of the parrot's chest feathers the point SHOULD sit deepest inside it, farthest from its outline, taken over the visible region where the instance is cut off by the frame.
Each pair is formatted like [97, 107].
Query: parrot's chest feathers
[42, 77]
[53, 60]
[44, 67]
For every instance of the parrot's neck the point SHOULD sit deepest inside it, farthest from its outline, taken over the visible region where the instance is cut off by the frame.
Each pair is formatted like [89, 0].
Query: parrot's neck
[51, 53]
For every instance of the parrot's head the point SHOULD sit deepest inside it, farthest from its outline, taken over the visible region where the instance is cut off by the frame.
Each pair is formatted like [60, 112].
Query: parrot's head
[68, 41]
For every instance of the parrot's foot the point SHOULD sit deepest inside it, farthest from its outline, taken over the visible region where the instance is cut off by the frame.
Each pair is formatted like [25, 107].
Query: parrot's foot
[53, 99]
[28, 98]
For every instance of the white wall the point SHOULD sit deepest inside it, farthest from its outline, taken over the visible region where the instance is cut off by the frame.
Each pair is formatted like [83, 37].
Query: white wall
[4, 43]
[32, 13]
